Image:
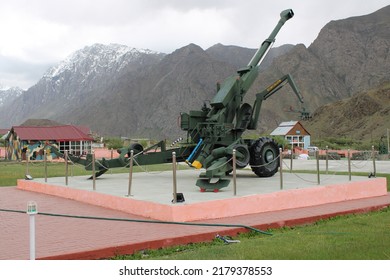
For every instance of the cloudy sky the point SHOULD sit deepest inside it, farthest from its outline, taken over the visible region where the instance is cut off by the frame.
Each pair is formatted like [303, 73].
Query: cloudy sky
[38, 34]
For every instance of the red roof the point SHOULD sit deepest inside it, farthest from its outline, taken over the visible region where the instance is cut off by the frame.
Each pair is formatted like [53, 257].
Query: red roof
[57, 133]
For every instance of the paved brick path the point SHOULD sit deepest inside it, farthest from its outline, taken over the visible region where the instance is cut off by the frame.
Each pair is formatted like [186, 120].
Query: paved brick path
[68, 238]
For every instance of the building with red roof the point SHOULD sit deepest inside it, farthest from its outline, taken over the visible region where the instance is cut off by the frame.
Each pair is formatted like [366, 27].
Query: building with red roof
[29, 141]
[294, 133]
[3, 131]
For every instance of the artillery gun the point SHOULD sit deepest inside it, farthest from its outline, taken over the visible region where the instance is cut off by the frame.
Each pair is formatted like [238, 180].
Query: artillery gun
[214, 132]
[218, 130]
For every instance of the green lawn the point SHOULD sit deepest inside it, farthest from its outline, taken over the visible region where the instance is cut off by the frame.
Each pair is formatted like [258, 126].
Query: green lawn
[351, 237]
[11, 171]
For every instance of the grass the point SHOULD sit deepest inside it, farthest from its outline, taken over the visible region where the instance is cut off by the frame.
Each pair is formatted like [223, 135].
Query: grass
[10, 172]
[351, 237]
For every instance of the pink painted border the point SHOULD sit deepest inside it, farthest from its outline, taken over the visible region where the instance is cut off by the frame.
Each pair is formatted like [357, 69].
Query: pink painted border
[257, 203]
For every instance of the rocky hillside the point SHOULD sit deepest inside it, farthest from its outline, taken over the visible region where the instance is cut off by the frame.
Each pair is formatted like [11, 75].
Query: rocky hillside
[357, 50]
[365, 116]
[239, 56]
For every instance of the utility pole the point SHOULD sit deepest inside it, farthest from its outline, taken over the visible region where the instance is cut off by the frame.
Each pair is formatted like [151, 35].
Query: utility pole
[388, 145]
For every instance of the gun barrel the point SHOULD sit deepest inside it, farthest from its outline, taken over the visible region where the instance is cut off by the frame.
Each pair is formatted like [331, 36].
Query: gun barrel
[259, 55]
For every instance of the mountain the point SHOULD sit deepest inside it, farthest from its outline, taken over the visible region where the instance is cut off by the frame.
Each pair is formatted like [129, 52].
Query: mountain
[148, 103]
[8, 94]
[348, 57]
[357, 49]
[239, 56]
[77, 81]
[364, 116]
[121, 91]
[181, 82]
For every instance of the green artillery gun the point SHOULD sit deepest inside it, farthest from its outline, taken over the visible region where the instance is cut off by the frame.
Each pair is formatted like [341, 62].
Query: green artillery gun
[218, 129]
[214, 132]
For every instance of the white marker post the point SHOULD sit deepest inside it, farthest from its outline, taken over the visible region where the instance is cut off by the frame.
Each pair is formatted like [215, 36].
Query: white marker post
[32, 210]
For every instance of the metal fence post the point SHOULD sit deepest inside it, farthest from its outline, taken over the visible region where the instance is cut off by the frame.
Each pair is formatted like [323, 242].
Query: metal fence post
[234, 173]
[93, 172]
[373, 160]
[45, 163]
[130, 172]
[281, 167]
[174, 177]
[326, 159]
[349, 165]
[66, 167]
[292, 155]
[318, 166]
[27, 171]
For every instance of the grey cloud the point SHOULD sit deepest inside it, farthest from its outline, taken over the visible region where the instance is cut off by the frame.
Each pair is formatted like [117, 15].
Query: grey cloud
[15, 72]
[143, 24]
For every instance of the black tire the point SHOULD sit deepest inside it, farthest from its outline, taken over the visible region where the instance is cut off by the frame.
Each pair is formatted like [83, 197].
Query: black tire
[264, 157]
[242, 162]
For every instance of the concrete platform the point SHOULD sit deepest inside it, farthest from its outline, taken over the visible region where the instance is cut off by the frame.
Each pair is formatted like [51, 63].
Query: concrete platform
[152, 193]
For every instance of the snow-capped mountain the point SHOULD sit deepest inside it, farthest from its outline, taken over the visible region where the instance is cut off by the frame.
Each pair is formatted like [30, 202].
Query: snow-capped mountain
[8, 94]
[81, 77]
[87, 69]
[95, 58]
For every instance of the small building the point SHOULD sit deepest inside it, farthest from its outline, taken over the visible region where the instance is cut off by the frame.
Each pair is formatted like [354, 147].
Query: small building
[29, 141]
[294, 133]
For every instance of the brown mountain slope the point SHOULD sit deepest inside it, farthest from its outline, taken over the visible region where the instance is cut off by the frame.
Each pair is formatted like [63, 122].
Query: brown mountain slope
[364, 116]
[357, 50]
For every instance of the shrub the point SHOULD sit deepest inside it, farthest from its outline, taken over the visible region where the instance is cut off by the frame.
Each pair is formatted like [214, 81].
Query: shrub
[113, 143]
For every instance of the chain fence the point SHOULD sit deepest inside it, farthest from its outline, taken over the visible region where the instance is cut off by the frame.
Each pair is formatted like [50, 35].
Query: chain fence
[362, 163]
[332, 171]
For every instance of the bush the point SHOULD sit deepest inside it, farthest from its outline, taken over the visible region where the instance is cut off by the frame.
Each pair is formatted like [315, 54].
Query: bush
[281, 141]
[344, 144]
[113, 143]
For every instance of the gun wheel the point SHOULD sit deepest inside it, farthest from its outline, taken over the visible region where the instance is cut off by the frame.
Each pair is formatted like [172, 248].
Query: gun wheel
[264, 155]
[243, 160]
